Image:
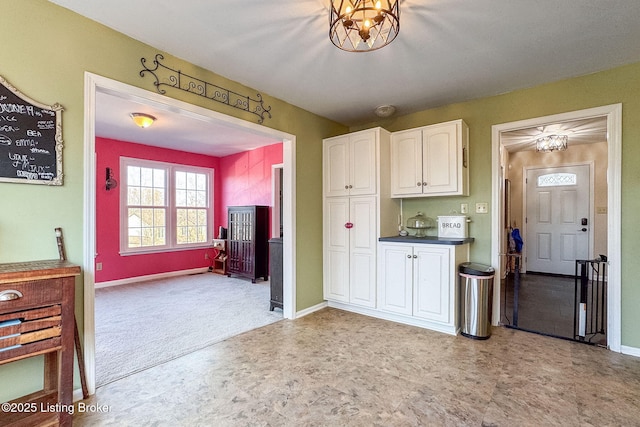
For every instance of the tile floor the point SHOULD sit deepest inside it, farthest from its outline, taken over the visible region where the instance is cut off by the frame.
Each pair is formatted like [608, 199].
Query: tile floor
[337, 368]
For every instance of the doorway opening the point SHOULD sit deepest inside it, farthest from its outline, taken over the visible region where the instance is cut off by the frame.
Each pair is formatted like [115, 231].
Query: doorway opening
[95, 85]
[529, 208]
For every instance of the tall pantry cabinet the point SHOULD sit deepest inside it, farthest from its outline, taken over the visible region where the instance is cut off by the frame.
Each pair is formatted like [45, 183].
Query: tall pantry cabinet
[357, 209]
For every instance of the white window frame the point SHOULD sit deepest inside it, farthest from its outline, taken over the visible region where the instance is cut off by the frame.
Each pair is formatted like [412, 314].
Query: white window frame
[170, 203]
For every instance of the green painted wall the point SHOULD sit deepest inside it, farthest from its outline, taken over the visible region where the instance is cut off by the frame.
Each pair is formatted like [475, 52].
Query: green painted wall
[56, 74]
[618, 85]
[45, 53]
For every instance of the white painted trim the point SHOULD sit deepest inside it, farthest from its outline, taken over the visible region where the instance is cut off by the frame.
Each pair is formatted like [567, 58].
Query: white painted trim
[77, 395]
[394, 317]
[95, 83]
[631, 351]
[275, 199]
[614, 206]
[148, 277]
[311, 309]
[89, 231]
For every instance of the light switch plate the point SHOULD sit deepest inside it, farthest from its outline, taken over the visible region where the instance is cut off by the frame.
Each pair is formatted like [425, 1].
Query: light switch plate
[482, 208]
[464, 208]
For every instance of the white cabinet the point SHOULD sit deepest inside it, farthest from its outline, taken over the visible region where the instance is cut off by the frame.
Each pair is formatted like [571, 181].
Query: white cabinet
[418, 281]
[430, 161]
[357, 209]
[350, 164]
[350, 249]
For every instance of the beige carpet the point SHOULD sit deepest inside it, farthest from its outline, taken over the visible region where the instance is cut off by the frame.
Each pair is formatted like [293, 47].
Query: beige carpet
[144, 324]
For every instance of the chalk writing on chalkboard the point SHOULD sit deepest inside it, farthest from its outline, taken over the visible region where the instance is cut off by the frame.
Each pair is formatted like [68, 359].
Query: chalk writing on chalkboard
[30, 139]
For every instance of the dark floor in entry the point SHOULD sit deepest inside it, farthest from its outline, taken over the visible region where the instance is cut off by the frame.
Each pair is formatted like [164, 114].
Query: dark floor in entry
[546, 305]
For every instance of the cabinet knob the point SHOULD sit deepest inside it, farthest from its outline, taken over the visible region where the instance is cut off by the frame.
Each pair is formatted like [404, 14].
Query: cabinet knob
[346, 187]
[419, 184]
[408, 256]
[348, 225]
[10, 294]
[424, 183]
[415, 256]
[350, 186]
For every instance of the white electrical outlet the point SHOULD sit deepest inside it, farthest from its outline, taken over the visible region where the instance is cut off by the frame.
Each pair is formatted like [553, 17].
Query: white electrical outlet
[482, 208]
[99, 266]
[464, 208]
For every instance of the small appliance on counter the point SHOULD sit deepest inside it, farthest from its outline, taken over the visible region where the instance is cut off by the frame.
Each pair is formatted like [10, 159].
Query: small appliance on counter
[453, 226]
[420, 224]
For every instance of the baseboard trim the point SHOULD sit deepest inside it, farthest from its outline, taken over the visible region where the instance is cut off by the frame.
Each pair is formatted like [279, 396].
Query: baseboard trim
[77, 395]
[311, 309]
[393, 317]
[157, 276]
[631, 351]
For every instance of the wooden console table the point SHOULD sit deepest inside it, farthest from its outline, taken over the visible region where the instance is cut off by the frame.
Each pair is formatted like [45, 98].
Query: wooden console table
[37, 318]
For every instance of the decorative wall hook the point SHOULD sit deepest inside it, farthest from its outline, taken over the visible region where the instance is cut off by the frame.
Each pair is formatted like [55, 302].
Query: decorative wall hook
[167, 76]
[110, 183]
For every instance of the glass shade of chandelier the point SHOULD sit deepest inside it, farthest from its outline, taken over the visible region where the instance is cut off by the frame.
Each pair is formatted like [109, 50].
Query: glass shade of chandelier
[143, 120]
[551, 143]
[363, 25]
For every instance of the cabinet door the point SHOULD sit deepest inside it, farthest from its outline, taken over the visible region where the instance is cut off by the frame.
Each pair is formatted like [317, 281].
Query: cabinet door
[336, 249]
[395, 278]
[406, 163]
[362, 164]
[440, 159]
[336, 166]
[431, 283]
[363, 245]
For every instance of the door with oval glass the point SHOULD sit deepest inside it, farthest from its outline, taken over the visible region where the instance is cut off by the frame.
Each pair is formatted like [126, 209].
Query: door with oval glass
[557, 218]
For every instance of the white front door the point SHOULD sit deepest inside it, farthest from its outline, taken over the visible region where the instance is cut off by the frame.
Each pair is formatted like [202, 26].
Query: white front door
[557, 218]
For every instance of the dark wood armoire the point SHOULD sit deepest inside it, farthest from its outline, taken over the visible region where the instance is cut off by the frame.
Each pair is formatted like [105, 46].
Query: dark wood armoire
[248, 242]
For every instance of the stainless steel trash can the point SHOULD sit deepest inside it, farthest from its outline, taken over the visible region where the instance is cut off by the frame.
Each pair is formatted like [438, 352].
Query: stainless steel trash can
[476, 289]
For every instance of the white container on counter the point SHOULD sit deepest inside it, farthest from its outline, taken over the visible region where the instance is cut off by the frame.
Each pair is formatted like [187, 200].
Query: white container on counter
[453, 226]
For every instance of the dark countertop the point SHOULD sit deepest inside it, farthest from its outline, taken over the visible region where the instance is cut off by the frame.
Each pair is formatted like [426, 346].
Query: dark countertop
[431, 240]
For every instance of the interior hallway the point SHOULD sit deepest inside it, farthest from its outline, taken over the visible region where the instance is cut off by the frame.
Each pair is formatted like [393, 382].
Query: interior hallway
[338, 368]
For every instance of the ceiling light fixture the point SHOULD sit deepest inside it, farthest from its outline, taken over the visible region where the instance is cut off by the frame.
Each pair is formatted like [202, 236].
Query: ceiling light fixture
[363, 25]
[551, 143]
[385, 111]
[143, 120]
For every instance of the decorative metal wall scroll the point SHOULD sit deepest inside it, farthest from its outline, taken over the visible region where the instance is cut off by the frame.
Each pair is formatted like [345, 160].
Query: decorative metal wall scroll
[30, 138]
[167, 76]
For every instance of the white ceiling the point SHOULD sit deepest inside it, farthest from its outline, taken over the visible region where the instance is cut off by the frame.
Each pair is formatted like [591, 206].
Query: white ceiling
[447, 50]
[583, 131]
[171, 129]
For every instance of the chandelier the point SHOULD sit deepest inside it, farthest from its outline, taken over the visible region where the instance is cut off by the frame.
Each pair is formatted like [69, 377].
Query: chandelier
[551, 143]
[363, 25]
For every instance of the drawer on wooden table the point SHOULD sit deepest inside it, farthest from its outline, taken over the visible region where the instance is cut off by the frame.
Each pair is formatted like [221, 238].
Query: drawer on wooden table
[14, 296]
[23, 329]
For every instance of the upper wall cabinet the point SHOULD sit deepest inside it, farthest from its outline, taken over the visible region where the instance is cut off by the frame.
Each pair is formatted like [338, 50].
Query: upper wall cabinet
[350, 164]
[430, 161]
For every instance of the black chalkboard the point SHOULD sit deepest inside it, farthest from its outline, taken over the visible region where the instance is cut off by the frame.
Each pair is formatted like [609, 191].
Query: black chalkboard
[30, 139]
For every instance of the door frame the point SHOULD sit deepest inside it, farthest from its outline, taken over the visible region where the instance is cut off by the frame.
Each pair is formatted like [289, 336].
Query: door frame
[525, 225]
[95, 83]
[275, 199]
[613, 114]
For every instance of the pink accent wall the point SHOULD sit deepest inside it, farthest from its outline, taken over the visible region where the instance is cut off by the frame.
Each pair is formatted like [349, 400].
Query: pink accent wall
[246, 179]
[239, 179]
[114, 266]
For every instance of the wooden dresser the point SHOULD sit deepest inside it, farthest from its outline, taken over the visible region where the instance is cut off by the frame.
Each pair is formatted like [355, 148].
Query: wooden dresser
[37, 318]
[248, 242]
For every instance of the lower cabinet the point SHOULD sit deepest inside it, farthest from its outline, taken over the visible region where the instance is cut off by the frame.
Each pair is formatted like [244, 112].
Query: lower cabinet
[350, 250]
[419, 282]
